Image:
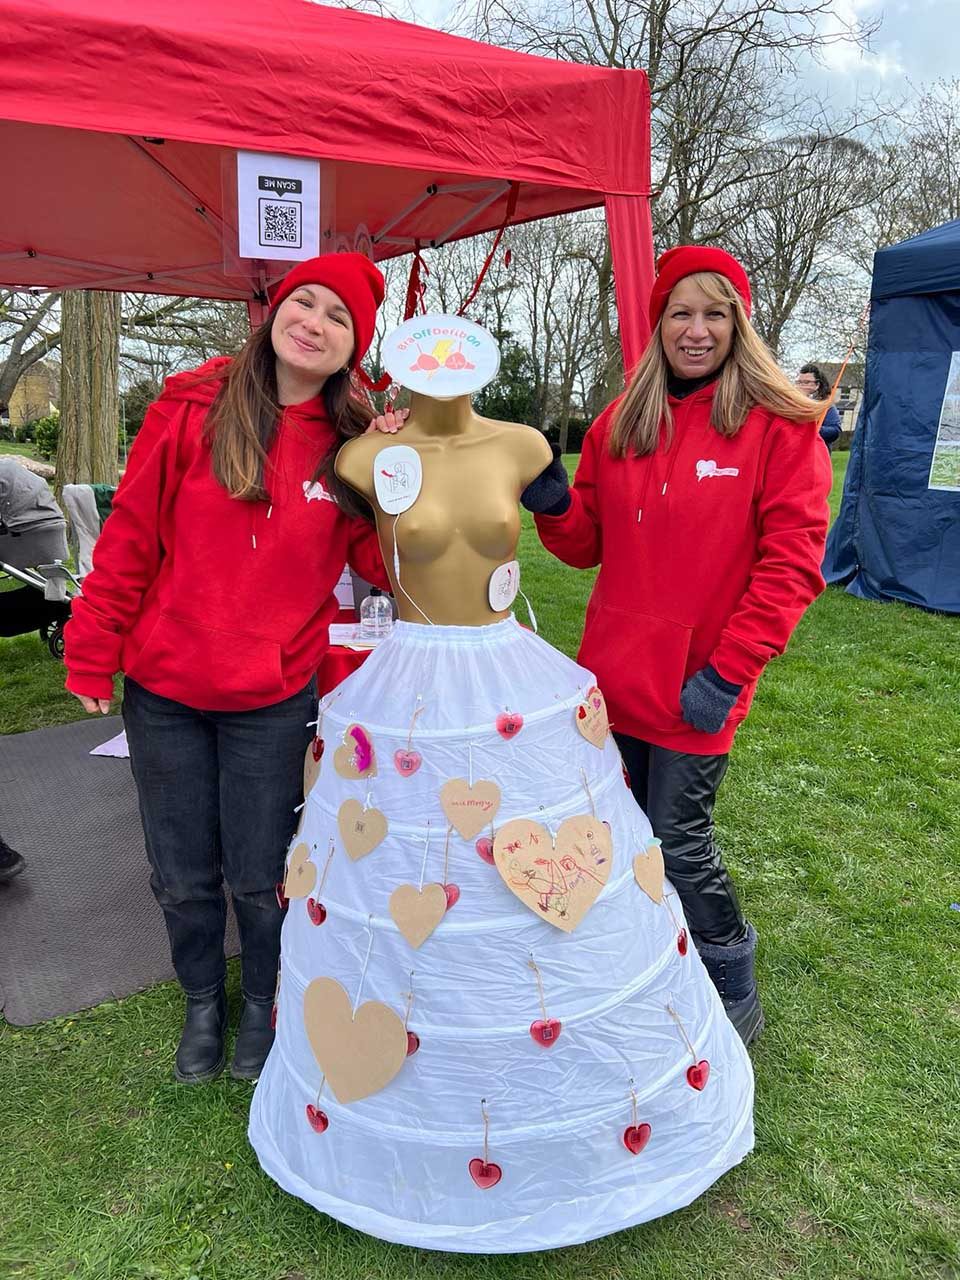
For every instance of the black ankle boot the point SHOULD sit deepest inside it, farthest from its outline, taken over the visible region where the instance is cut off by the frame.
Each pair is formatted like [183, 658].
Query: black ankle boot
[254, 1040]
[731, 972]
[11, 863]
[200, 1055]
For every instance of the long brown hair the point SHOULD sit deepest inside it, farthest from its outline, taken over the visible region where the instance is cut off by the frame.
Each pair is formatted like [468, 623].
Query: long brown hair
[244, 418]
[749, 378]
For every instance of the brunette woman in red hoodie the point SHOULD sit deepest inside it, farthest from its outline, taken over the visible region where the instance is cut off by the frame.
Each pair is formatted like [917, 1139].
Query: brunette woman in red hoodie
[702, 495]
[212, 591]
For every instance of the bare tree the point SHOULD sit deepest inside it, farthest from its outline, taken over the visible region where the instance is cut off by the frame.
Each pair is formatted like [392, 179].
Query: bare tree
[799, 208]
[29, 331]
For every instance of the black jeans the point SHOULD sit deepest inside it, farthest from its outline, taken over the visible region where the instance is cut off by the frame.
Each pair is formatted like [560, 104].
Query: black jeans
[217, 793]
[677, 790]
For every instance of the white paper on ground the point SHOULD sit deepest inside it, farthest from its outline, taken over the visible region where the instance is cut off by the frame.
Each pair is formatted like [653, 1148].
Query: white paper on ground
[114, 747]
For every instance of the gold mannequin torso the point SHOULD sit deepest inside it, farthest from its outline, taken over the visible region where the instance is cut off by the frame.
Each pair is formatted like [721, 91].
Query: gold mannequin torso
[465, 522]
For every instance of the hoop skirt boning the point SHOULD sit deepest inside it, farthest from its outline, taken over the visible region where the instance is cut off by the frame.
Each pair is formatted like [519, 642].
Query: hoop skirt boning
[396, 1164]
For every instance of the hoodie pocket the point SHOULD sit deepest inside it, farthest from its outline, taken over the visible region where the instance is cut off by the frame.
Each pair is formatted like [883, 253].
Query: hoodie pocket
[639, 661]
[210, 666]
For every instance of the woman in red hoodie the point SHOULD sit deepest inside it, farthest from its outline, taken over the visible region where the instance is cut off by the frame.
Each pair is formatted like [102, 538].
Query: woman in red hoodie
[702, 495]
[212, 591]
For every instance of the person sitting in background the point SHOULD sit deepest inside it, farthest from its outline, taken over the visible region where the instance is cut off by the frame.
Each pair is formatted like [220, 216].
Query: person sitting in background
[812, 381]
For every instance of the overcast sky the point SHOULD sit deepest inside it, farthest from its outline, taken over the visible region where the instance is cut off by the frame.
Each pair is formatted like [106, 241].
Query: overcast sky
[916, 42]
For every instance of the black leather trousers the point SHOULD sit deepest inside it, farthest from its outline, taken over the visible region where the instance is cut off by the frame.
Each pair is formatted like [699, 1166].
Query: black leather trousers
[677, 790]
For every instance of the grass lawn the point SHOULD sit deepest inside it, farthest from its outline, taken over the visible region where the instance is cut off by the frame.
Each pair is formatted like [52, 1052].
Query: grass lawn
[841, 820]
[21, 450]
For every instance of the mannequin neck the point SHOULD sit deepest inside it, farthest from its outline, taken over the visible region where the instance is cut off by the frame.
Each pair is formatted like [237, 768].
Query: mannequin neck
[441, 417]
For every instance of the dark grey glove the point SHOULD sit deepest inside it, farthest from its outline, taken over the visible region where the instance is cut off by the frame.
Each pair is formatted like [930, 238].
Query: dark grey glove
[549, 493]
[707, 699]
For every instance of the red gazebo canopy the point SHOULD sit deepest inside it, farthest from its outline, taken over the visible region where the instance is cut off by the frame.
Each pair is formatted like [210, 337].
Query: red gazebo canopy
[119, 123]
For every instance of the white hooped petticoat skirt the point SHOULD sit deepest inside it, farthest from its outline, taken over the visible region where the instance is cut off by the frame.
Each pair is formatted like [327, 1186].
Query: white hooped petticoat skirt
[500, 1131]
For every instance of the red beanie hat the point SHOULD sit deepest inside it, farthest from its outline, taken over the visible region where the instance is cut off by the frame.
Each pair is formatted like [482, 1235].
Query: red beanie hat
[353, 278]
[687, 260]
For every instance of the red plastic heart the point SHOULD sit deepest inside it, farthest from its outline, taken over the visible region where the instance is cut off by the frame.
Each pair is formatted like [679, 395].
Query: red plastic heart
[484, 1175]
[317, 749]
[698, 1075]
[316, 1118]
[546, 1031]
[273, 1018]
[636, 1137]
[453, 894]
[413, 1043]
[509, 724]
[282, 899]
[407, 763]
[484, 847]
[682, 942]
[316, 911]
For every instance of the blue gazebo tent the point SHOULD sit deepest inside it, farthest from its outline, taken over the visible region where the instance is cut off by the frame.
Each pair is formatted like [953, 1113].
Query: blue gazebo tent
[897, 536]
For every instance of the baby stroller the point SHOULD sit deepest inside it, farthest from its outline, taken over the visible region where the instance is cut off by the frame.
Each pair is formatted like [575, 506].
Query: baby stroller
[33, 547]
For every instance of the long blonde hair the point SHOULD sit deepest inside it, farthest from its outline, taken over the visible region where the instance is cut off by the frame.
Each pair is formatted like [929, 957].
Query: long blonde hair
[749, 378]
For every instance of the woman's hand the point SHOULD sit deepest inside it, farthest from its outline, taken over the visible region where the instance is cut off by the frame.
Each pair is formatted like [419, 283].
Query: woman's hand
[389, 423]
[93, 705]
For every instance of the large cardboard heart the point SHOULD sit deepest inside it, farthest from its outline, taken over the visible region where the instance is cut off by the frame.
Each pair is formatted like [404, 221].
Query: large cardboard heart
[591, 718]
[301, 873]
[417, 912]
[561, 882]
[346, 758]
[360, 829]
[359, 1055]
[469, 808]
[648, 871]
[311, 769]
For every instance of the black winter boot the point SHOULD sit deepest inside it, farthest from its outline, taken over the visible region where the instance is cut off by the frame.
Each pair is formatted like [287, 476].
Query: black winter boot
[731, 972]
[254, 1040]
[200, 1055]
[11, 863]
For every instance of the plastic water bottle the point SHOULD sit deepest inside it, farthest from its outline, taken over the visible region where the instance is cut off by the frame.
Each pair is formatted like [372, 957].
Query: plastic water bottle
[376, 616]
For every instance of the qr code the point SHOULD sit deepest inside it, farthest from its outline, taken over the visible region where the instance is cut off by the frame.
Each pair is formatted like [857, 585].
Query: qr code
[281, 222]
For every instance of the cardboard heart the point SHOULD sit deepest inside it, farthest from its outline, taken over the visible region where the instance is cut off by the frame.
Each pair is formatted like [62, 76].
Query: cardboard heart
[636, 1137]
[359, 1055]
[417, 912]
[648, 871]
[348, 758]
[361, 830]
[469, 809]
[484, 1175]
[301, 873]
[311, 769]
[591, 718]
[561, 882]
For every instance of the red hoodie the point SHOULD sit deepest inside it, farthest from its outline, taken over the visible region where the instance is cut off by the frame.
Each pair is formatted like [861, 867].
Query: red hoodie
[215, 602]
[709, 551]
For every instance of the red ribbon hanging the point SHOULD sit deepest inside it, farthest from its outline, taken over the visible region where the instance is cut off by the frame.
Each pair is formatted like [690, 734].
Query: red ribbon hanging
[511, 210]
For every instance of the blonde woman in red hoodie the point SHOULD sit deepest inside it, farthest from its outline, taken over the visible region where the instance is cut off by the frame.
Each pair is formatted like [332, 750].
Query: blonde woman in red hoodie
[702, 495]
[212, 591]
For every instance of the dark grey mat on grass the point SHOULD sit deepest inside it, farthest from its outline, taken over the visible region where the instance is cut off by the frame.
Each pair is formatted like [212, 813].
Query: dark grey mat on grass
[80, 925]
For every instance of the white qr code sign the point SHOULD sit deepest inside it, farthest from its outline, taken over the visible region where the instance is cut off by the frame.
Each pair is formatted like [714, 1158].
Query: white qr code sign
[278, 206]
